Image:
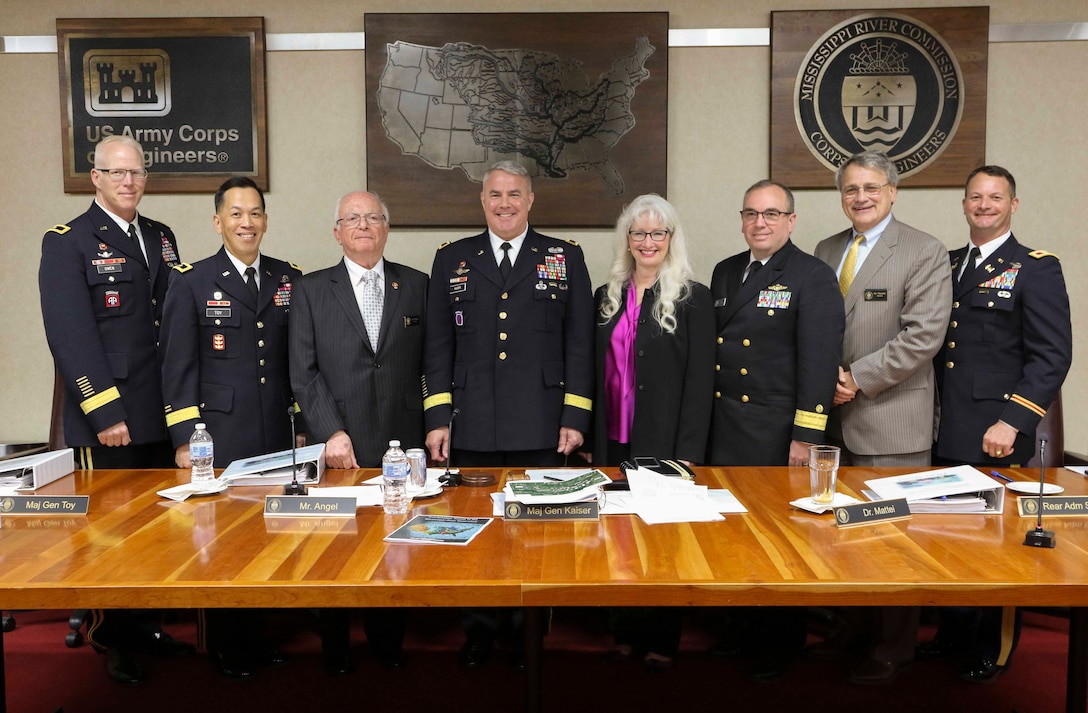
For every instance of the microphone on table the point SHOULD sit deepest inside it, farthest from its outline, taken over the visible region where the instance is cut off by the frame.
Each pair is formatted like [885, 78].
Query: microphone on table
[294, 487]
[450, 479]
[1040, 537]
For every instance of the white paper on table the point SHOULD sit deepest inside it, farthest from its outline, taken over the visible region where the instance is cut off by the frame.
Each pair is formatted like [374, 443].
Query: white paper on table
[498, 504]
[364, 495]
[660, 499]
[433, 475]
[838, 500]
[1082, 469]
[725, 501]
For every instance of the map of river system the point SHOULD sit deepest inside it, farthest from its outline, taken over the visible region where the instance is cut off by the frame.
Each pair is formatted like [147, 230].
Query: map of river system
[466, 106]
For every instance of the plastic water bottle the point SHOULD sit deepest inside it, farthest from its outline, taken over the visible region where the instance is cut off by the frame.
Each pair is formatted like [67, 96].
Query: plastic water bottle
[395, 480]
[202, 453]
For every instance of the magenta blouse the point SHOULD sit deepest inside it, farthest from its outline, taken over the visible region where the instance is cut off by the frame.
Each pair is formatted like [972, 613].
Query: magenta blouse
[619, 371]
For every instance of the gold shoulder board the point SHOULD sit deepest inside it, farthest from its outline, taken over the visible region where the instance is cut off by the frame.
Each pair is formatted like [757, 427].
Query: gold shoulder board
[59, 229]
[183, 267]
[1040, 254]
[573, 243]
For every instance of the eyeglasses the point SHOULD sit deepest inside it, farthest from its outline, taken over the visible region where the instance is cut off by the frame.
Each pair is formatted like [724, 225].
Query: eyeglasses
[771, 215]
[870, 189]
[639, 235]
[118, 174]
[353, 220]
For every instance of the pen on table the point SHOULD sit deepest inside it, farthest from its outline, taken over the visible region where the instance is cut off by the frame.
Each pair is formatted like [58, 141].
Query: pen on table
[552, 477]
[997, 475]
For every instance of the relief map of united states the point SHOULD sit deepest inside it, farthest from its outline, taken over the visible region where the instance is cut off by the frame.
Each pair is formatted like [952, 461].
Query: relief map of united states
[466, 106]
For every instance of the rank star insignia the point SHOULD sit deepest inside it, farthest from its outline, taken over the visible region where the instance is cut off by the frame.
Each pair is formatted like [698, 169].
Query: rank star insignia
[219, 342]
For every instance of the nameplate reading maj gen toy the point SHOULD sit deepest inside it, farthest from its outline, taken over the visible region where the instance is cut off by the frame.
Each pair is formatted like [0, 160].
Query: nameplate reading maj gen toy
[44, 504]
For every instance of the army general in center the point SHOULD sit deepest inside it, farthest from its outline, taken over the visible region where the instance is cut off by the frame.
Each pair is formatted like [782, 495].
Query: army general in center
[509, 338]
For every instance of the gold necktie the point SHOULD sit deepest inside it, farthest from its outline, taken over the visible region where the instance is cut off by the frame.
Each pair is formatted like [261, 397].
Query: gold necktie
[846, 277]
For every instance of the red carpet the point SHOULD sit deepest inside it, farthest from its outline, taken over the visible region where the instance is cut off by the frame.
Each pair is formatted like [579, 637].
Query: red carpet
[43, 675]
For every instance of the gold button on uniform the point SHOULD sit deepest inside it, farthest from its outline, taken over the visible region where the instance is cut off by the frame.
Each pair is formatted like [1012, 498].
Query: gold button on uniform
[154, 301]
[506, 295]
[819, 408]
[263, 379]
[954, 324]
[955, 305]
[951, 345]
[502, 336]
[553, 295]
[743, 371]
[717, 367]
[502, 356]
[260, 342]
[747, 343]
[260, 324]
[502, 315]
[949, 365]
[770, 313]
[261, 362]
[720, 340]
[989, 304]
[744, 398]
[717, 394]
[217, 323]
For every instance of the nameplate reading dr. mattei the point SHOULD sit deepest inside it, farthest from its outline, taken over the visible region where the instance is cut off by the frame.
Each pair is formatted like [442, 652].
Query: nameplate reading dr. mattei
[868, 513]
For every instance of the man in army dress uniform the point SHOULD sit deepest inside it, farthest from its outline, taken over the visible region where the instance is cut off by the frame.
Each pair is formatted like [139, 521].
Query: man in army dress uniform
[224, 363]
[1007, 351]
[103, 282]
[224, 342]
[510, 345]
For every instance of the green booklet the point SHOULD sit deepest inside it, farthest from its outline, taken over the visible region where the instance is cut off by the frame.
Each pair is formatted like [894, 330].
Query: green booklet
[439, 529]
[582, 487]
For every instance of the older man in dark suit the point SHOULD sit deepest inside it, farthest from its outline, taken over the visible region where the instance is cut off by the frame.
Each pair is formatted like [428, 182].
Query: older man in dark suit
[355, 350]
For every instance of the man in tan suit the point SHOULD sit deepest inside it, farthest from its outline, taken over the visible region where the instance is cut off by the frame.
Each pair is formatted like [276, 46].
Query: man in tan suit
[896, 283]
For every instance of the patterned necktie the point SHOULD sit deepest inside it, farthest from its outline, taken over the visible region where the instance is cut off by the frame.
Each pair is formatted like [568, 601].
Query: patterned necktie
[969, 263]
[372, 307]
[251, 282]
[846, 277]
[504, 266]
[136, 242]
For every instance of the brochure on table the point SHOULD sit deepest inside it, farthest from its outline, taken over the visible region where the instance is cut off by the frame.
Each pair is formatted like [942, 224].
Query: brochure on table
[957, 489]
[275, 468]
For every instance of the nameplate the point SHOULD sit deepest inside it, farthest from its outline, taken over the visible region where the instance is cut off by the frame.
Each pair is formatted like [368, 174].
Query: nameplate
[44, 504]
[305, 506]
[868, 513]
[1054, 506]
[586, 510]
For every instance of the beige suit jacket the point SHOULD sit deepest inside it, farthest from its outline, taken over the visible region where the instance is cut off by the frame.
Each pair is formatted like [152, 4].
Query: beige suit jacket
[897, 311]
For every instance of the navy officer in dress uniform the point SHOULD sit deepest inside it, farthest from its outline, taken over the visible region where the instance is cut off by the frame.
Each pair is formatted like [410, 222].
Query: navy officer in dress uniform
[1004, 359]
[780, 325]
[103, 280]
[509, 343]
[780, 322]
[224, 357]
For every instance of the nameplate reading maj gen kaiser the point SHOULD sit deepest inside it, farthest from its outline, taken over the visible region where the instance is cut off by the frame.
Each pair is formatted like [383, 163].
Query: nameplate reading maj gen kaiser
[582, 510]
[879, 82]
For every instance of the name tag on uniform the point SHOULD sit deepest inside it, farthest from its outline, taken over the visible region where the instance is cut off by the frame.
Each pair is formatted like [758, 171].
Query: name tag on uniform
[217, 312]
[876, 295]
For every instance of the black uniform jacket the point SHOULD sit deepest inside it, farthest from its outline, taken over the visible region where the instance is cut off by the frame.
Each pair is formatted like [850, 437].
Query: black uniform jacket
[340, 382]
[779, 345]
[102, 305]
[1007, 352]
[224, 357]
[515, 357]
[674, 377]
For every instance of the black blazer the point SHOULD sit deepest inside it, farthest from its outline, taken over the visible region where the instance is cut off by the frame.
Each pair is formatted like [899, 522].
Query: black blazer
[674, 378]
[339, 381]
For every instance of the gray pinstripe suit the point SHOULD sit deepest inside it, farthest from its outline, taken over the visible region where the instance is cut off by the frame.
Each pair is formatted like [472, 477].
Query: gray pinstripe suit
[897, 311]
[339, 381]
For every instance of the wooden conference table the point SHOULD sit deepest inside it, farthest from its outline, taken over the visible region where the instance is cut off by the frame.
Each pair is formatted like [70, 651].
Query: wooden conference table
[136, 549]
